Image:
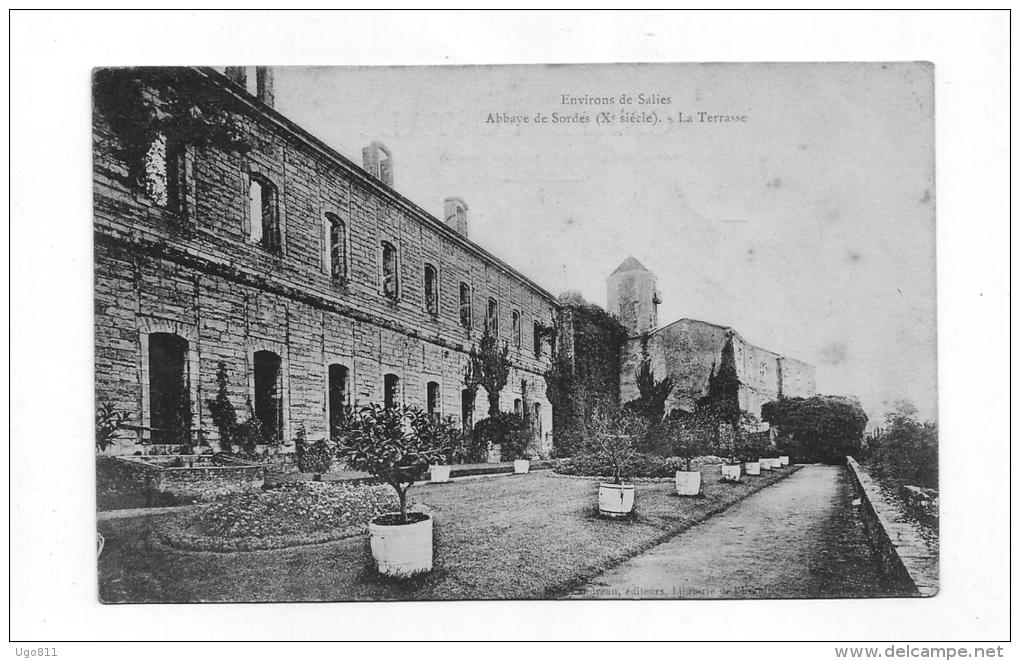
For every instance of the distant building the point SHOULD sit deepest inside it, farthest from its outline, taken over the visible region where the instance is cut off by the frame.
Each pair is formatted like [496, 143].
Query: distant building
[687, 349]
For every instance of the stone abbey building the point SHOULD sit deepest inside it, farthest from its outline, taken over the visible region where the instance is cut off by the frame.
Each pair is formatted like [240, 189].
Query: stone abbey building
[688, 349]
[226, 234]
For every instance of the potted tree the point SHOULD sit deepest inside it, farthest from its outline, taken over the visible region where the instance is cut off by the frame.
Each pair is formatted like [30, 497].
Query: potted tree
[507, 433]
[440, 472]
[396, 444]
[315, 458]
[612, 436]
[685, 433]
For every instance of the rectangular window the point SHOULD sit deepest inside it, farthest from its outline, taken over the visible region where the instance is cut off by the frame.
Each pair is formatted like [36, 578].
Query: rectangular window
[255, 203]
[265, 226]
[431, 290]
[516, 320]
[492, 318]
[465, 305]
[337, 245]
[389, 271]
[537, 339]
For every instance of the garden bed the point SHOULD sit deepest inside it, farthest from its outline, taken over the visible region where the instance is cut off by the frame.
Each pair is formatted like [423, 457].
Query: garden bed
[291, 515]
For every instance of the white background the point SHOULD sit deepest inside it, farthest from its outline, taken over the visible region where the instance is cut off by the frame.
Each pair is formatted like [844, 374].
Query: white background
[53, 569]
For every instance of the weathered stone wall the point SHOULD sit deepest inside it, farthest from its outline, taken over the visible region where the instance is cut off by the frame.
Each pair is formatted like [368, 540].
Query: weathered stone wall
[195, 273]
[903, 554]
[686, 351]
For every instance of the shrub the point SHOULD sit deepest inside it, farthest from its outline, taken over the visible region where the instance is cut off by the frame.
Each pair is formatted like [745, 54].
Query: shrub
[638, 465]
[907, 450]
[223, 414]
[108, 422]
[823, 428]
[315, 459]
[395, 444]
[612, 435]
[508, 430]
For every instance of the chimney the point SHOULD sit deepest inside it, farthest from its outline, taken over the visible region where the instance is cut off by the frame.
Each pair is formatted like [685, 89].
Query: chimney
[238, 76]
[378, 161]
[264, 85]
[455, 214]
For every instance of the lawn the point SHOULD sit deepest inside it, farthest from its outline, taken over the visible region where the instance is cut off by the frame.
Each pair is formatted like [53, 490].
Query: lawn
[529, 536]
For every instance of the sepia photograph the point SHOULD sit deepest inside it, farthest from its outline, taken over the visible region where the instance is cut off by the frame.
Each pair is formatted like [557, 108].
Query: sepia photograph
[606, 331]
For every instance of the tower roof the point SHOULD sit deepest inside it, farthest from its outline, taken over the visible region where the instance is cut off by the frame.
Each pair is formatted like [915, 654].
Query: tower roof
[630, 264]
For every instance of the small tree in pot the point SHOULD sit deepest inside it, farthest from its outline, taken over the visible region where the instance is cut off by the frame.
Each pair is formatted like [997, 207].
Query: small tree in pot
[686, 435]
[613, 435]
[396, 445]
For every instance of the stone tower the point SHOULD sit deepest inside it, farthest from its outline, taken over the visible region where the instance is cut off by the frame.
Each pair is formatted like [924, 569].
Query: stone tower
[631, 295]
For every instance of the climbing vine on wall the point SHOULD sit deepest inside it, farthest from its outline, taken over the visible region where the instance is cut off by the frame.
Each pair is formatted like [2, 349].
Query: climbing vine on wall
[154, 111]
[588, 379]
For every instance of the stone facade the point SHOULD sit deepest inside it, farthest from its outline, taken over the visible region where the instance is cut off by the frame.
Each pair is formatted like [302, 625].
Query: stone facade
[353, 276]
[686, 350]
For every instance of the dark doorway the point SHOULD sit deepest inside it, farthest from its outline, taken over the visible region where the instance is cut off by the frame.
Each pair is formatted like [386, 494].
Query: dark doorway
[391, 390]
[432, 400]
[269, 395]
[467, 408]
[169, 404]
[337, 398]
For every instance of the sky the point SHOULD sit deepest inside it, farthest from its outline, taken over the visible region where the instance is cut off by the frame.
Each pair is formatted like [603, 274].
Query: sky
[808, 226]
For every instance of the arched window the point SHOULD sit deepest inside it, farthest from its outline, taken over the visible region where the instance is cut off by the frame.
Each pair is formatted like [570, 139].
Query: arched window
[337, 246]
[518, 407]
[269, 395]
[264, 226]
[169, 397]
[515, 317]
[337, 397]
[389, 270]
[492, 317]
[431, 290]
[465, 305]
[432, 400]
[391, 390]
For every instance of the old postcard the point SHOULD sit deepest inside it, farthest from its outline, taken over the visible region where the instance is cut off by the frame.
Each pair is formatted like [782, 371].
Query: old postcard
[603, 331]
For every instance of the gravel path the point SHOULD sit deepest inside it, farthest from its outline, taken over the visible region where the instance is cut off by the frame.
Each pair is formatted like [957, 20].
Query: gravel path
[800, 538]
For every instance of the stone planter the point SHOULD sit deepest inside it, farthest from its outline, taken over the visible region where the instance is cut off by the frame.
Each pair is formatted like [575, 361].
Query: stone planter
[521, 465]
[766, 463]
[753, 468]
[402, 550]
[731, 473]
[495, 453]
[784, 460]
[688, 483]
[615, 500]
[439, 473]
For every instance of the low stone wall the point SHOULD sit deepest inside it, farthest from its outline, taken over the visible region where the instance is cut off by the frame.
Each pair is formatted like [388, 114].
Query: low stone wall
[902, 552]
[205, 479]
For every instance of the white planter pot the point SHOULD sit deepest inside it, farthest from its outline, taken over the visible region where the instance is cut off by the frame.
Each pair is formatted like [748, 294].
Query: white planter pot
[439, 473]
[521, 465]
[766, 463]
[730, 473]
[402, 550]
[753, 468]
[616, 500]
[688, 483]
[494, 454]
[784, 460]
